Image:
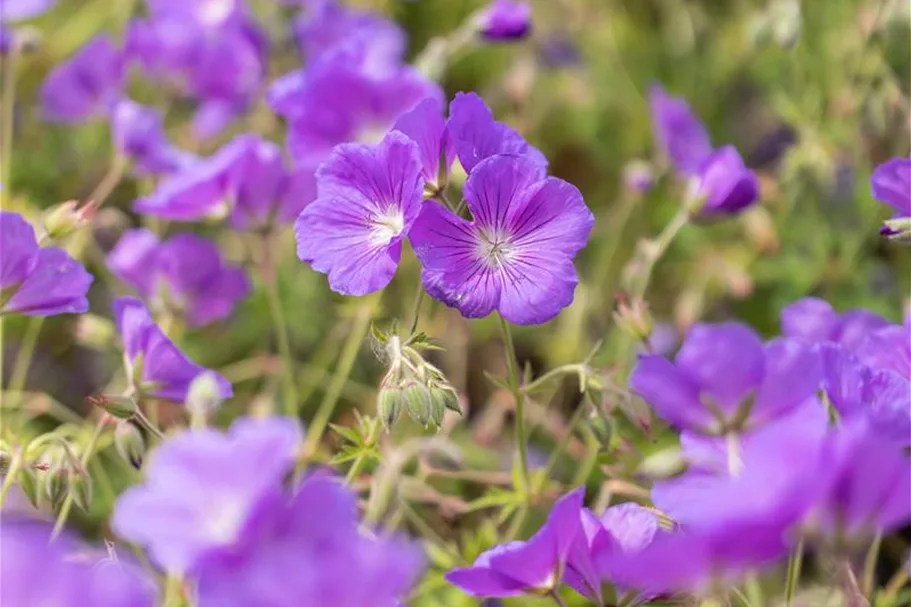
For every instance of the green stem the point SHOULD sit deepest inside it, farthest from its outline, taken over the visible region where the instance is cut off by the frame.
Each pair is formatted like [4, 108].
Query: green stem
[870, 564]
[23, 361]
[356, 468]
[555, 595]
[280, 326]
[657, 248]
[794, 564]
[555, 372]
[83, 461]
[11, 474]
[574, 421]
[343, 370]
[513, 379]
[173, 596]
[109, 181]
[9, 99]
[416, 309]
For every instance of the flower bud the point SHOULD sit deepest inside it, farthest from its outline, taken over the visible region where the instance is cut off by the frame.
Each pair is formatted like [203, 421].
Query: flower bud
[121, 407]
[29, 484]
[634, 318]
[505, 21]
[79, 487]
[897, 229]
[418, 403]
[203, 397]
[129, 443]
[447, 396]
[54, 485]
[663, 465]
[67, 217]
[638, 176]
[603, 429]
[389, 406]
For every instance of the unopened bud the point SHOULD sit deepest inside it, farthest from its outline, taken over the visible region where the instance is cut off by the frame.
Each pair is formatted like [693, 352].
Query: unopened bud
[663, 465]
[603, 429]
[79, 487]
[897, 229]
[29, 484]
[129, 443]
[121, 407]
[389, 406]
[54, 485]
[634, 318]
[447, 396]
[203, 397]
[418, 403]
[67, 217]
[639, 176]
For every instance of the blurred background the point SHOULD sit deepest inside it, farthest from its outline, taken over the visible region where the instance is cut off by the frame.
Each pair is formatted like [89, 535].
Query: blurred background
[813, 94]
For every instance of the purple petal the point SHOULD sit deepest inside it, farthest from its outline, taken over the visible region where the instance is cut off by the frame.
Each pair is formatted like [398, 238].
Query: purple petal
[630, 525]
[482, 581]
[679, 132]
[139, 134]
[888, 399]
[855, 325]
[20, 10]
[726, 361]
[133, 258]
[844, 379]
[891, 184]
[888, 348]
[810, 318]
[19, 249]
[506, 21]
[727, 185]
[476, 135]
[671, 393]
[58, 284]
[553, 217]
[299, 190]
[496, 185]
[426, 127]
[85, 86]
[793, 373]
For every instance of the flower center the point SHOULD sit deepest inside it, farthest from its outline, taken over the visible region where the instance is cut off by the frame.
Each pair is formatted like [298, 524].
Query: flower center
[495, 247]
[386, 226]
[214, 12]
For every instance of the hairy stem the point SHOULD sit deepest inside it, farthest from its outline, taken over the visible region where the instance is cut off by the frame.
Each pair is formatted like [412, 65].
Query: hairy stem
[513, 380]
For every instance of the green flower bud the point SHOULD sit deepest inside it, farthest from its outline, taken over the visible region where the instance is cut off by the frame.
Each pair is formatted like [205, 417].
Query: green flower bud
[897, 229]
[29, 484]
[203, 397]
[121, 407]
[418, 402]
[66, 218]
[389, 406]
[447, 396]
[129, 443]
[663, 465]
[79, 487]
[603, 429]
[53, 486]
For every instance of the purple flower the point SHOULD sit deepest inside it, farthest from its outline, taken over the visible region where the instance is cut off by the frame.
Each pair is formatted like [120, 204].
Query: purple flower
[815, 320]
[888, 348]
[470, 132]
[534, 566]
[202, 486]
[679, 132]
[36, 572]
[206, 13]
[622, 529]
[185, 274]
[868, 482]
[20, 10]
[158, 368]
[505, 20]
[330, 24]
[516, 257]
[308, 550]
[368, 199]
[139, 135]
[725, 184]
[86, 86]
[891, 183]
[724, 379]
[37, 281]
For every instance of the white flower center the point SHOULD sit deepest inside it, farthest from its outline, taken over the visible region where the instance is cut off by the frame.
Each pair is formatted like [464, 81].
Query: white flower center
[214, 12]
[495, 247]
[225, 521]
[386, 226]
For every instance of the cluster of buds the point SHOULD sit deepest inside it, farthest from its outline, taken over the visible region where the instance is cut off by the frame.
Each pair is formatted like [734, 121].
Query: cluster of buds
[412, 383]
[48, 471]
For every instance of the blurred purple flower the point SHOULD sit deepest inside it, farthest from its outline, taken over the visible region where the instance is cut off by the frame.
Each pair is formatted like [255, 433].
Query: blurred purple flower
[516, 257]
[815, 320]
[725, 184]
[338, 101]
[36, 572]
[184, 274]
[888, 348]
[724, 379]
[139, 135]
[622, 529]
[203, 486]
[720, 178]
[156, 365]
[533, 566]
[309, 550]
[20, 10]
[679, 132]
[37, 281]
[505, 20]
[206, 13]
[868, 484]
[329, 24]
[369, 197]
[87, 85]
[891, 184]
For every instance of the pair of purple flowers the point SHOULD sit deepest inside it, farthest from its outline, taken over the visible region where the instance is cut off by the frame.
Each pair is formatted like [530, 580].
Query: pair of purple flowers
[515, 256]
[764, 466]
[216, 509]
